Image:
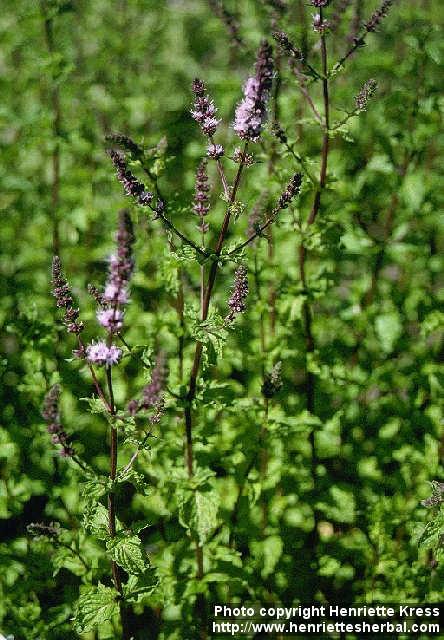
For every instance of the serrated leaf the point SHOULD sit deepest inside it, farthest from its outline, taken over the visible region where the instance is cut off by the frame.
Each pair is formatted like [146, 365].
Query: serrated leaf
[128, 552]
[198, 512]
[96, 606]
[95, 405]
[95, 488]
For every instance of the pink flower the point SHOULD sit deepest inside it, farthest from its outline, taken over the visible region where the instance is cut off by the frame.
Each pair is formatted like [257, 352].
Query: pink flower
[99, 353]
[111, 319]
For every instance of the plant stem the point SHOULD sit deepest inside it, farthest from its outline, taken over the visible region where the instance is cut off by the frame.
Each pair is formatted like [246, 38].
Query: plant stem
[117, 575]
[310, 380]
[192, 385]
[263, 464]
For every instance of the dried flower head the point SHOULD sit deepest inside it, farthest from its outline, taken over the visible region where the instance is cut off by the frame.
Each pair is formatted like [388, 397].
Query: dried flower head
[367, 92]
[63, 296]
[251, 112]
[201, 204]
[204, 110]
[239, 294]
[272, 381]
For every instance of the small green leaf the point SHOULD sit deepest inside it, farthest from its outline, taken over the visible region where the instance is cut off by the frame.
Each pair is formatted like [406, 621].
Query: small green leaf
[94, 607]
[95, 405]
[128, 552]
[140, 586]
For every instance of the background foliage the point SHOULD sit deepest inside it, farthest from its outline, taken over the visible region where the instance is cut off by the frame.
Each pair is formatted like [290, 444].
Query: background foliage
[72, 72]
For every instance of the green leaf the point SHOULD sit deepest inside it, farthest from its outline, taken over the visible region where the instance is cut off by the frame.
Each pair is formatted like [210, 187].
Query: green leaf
[388, 329]
[432, 533]
[95, 405]
[140, 586]
[198, 512]
[95, 488]
[128, 552]
[94, 607]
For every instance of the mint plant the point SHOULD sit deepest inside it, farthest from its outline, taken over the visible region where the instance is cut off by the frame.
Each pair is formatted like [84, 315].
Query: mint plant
[239, 401]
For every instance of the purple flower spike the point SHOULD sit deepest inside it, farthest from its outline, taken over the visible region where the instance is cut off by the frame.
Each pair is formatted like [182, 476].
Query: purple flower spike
[131, 185]
[292, 190]
[63, 296]
[51, 415]
[251, 112]
[238, 295]
[120, 269]
[204, 110]
[378, 15]
[201, 201]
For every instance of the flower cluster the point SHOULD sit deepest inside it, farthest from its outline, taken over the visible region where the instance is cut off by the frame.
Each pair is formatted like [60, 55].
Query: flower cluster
[215, 151]
[292, 190]
[378, 15]
[243, 157]
[152, 394]
[251, 112]
[437, 496]
[272, 381]
[367, 92]
[204, 110]
[121, 265]
[201, 204]
[51, 415]
[64, 300]
[238, 295]
[101, 354]
[131, 185]
[320, 3]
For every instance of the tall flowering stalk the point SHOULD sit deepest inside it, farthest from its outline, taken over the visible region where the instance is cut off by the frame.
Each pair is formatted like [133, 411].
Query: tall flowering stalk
[102, 353]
